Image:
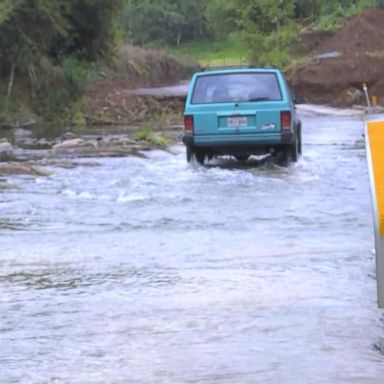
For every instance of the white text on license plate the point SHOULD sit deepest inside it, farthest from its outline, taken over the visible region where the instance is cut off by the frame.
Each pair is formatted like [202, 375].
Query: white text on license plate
[238, 121]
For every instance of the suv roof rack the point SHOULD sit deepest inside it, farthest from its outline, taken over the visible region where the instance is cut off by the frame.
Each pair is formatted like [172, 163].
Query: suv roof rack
[250, 66]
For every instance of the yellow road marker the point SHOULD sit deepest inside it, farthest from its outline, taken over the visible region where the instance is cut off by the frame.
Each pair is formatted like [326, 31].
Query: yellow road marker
[374, 135]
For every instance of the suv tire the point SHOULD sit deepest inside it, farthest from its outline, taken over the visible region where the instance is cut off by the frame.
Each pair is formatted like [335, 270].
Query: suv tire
[242, 158]
[189, 154]
[294, 150]
[290, 153]
[299, 138]
[195, 155]
[200, 157]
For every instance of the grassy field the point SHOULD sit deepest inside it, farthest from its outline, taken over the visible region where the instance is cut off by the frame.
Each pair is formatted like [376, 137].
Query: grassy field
[213, 54]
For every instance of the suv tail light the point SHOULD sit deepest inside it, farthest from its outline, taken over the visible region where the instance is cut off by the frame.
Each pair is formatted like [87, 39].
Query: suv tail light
[188, 123]
[286, 120]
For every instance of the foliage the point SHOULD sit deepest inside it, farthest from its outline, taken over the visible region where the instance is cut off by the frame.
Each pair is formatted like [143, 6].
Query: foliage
[81, 28]
[315, 10]
[57, 88]
[273, 48]
[49, 43]
[267, 27]
[163, 21]
[93, 28]
[232, 51]
[78, 120]
[146, 133]
[331, 15]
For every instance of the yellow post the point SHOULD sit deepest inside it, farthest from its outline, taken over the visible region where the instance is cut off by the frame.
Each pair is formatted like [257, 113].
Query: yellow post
[374, 101]
[374, 134]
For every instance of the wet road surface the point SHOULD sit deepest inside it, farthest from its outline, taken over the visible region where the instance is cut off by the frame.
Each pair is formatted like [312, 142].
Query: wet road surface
[147, 270]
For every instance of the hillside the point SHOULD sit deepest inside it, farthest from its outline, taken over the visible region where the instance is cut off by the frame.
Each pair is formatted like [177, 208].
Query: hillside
[109, 98]
[342, 62]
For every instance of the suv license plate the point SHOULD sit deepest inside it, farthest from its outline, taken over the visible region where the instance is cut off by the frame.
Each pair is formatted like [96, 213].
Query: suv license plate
[237, 122]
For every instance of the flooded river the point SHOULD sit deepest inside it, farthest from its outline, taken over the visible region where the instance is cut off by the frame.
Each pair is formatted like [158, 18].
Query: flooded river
[148, 270]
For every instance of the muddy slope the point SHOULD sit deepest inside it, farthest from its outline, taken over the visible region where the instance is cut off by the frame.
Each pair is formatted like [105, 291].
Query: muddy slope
[109, 99]
[338, 80]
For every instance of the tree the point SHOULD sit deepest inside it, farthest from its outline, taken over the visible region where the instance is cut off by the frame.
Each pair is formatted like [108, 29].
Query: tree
[151, 22]
[40, 35]
[30, 29]
[222, 18]
[93, 26]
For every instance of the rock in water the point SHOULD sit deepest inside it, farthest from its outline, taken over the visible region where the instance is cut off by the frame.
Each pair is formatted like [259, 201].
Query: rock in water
[5, 149]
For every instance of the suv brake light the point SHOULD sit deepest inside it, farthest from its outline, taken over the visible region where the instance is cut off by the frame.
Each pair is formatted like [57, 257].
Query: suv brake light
[188, 123]
[286, 120]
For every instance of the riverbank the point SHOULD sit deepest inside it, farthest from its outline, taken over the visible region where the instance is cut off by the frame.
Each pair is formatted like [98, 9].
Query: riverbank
[107, 99]
[32, 153]
[340, 64]
[334, 67]
[113, 121]
[127, 110]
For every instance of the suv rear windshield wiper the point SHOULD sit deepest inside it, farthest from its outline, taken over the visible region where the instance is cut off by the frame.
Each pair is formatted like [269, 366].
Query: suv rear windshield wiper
[259, 99]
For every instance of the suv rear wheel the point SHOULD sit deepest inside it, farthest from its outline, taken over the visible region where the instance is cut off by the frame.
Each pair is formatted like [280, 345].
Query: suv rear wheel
[294, 150]
[299, 138]
[189, 154]
[242, 158]
[197, 155]
[200, 157]
[290, 153]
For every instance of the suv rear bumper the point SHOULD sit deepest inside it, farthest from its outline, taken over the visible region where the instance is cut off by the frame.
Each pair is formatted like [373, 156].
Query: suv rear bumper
[253, 140]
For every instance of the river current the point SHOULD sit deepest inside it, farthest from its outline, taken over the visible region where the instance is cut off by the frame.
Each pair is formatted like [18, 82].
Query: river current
[149, 270]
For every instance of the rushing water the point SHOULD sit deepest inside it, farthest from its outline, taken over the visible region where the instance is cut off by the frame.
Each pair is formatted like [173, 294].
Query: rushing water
[147, 270]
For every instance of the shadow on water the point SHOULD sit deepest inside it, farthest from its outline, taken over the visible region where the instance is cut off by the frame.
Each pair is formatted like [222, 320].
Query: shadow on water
[64, 278]
[269, 166]
[268, 162]
[378, 346]
[12, 225]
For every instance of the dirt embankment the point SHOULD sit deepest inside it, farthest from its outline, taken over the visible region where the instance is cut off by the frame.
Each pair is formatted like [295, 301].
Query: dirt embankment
[352, 56]
[109, 99]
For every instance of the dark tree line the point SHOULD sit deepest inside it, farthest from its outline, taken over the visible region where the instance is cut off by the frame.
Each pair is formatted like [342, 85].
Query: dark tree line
[46, 43]
[30, 29]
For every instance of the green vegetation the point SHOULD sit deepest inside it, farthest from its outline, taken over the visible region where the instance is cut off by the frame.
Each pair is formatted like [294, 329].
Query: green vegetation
[49, 50]
[214, 53]
[163, 21]
[51, 47]
[333, 15]
[146, 133]
[218, 32]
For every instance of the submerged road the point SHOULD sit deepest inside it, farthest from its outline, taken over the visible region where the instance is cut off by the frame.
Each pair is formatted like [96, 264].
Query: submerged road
[149, 270]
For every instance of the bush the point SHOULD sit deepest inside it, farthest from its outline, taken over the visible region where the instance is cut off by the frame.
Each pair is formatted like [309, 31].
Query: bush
[273, 48]
[147, 134]
[50, 46]
[57, 88]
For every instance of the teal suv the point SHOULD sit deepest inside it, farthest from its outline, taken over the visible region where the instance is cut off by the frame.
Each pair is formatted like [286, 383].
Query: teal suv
[241, 112]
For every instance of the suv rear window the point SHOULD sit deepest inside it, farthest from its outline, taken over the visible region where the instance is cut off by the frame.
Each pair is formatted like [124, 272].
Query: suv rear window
[235, 87]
